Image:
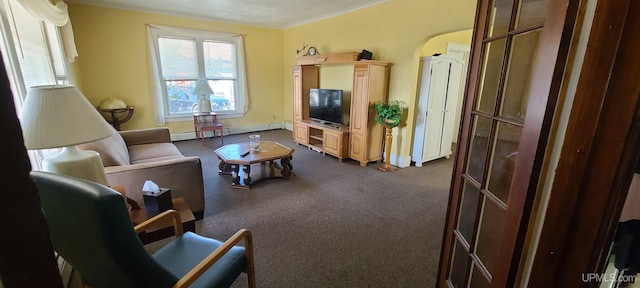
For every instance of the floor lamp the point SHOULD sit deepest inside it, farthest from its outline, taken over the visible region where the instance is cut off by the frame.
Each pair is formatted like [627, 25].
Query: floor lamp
[59, 116]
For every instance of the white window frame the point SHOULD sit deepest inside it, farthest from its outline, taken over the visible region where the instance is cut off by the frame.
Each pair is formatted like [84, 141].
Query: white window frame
[10, 55]
[14, 72]
[199, 36]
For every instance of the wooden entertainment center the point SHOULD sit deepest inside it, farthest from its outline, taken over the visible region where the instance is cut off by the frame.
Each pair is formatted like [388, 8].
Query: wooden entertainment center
[362, 139]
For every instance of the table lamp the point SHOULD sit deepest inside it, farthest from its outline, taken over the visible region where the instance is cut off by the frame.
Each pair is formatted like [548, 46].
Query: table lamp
[203, 90]
[55, 116]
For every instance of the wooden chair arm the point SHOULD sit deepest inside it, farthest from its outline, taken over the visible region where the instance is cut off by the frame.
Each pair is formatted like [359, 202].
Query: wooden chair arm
[207, 262]
[163, 217]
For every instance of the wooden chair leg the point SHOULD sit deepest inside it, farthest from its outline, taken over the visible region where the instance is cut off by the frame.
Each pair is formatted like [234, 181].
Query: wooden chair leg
[221, 137]
[202, 136]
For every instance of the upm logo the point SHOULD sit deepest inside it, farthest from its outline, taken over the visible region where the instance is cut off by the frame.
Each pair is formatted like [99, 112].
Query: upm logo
[611, 277]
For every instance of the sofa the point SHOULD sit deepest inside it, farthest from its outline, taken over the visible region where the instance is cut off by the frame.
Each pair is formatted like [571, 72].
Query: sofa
[132, 157]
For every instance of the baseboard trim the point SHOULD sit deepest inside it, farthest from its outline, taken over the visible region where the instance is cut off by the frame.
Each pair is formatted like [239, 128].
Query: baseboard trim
[399, 161]
[189, 135]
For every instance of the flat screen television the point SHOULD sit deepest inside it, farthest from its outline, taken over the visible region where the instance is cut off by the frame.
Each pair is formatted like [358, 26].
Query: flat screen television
[325, 105]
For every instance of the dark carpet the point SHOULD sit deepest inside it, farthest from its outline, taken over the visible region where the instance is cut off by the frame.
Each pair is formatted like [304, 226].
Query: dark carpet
[332, 224]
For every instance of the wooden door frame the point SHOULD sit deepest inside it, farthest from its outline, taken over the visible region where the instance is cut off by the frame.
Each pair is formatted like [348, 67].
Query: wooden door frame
[26, 252]
[546, 83]
[598, 154]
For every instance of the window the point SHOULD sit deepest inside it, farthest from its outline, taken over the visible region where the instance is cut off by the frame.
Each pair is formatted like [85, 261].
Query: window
[182, 57]
[33, 55]
[32, 50]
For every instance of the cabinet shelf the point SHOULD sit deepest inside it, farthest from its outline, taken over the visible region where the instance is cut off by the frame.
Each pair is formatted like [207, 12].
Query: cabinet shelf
[323, 138]
[316, 137]
[317, 146]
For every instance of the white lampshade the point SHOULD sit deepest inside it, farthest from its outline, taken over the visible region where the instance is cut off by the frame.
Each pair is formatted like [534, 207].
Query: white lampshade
[58, 115]
[203, 90]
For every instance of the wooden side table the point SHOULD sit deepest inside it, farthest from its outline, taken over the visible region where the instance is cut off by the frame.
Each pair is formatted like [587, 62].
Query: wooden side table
[164, 230]
[207, 121]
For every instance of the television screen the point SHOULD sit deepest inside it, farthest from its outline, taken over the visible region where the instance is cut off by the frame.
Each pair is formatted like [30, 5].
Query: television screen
[325, 105]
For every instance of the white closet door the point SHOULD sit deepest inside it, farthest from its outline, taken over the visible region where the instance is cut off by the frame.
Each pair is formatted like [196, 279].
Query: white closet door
[437, 104]
[450, 109]
[436, 107]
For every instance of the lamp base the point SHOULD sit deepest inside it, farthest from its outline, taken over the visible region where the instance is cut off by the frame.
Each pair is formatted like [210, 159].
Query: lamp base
[75, 162]
[204, 105]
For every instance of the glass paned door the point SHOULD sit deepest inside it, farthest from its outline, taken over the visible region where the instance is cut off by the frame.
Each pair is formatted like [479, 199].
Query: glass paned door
[510, 33]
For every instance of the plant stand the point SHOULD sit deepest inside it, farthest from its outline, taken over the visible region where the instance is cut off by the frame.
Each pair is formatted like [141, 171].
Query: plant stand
[387, 167]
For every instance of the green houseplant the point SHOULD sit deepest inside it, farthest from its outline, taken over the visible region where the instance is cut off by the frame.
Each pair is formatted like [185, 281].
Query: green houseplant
[389, 115]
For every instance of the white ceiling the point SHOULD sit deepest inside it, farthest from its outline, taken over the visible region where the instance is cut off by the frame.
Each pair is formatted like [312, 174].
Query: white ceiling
[266, 13]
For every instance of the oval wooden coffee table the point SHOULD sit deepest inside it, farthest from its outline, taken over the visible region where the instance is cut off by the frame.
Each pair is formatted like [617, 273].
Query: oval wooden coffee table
[236, 160]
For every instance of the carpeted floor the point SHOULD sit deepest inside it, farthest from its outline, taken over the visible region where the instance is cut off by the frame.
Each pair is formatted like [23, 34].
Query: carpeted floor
[333, 224]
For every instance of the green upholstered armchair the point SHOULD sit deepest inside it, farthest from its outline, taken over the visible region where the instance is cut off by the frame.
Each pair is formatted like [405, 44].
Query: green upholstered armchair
[91, 229]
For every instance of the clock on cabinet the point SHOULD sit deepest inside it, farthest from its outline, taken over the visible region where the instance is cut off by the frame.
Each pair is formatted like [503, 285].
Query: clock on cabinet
[312, 51]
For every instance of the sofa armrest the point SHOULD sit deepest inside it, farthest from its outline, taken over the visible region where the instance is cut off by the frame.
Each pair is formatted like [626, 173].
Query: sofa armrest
[146, 136]
[182, 175]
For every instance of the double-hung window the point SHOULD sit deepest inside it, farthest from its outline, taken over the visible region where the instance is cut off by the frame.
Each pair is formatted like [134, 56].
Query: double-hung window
[32, 49]
[183, 57]
[33, 55]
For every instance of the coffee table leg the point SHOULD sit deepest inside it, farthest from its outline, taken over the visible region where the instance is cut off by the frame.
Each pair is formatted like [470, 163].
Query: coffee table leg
[286, 167]
[224, 168]
[235, 174]
[247, 175]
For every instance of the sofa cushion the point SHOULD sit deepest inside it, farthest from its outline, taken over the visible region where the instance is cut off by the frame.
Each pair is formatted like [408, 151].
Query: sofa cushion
[146, 153]
[112, 150]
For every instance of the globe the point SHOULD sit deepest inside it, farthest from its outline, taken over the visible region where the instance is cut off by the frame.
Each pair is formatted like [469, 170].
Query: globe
[112, 103]
[115, 108]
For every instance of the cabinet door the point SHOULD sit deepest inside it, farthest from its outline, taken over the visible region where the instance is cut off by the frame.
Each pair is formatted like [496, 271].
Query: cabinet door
[303, 78]
[356, 149]
[301, 133]
[451, 107]
[331, 142]
[359, 102]
[297, 93]
[436, 106]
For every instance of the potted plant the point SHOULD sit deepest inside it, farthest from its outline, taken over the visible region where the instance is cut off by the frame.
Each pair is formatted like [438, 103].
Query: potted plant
[389, 115]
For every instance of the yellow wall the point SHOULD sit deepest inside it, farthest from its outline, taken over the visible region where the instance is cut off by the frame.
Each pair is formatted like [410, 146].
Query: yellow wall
[114, 62]
[438, 44]
[114, 53]
[394, 31]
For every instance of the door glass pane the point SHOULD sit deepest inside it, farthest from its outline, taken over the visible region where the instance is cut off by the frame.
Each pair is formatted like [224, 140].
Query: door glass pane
[516, 95]
[490, 234]
[500, 17]
[458, 272]
[504, 159]
[531, 13]
[477, 279]
[468, 209]
[490, 77]
[478, 147]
